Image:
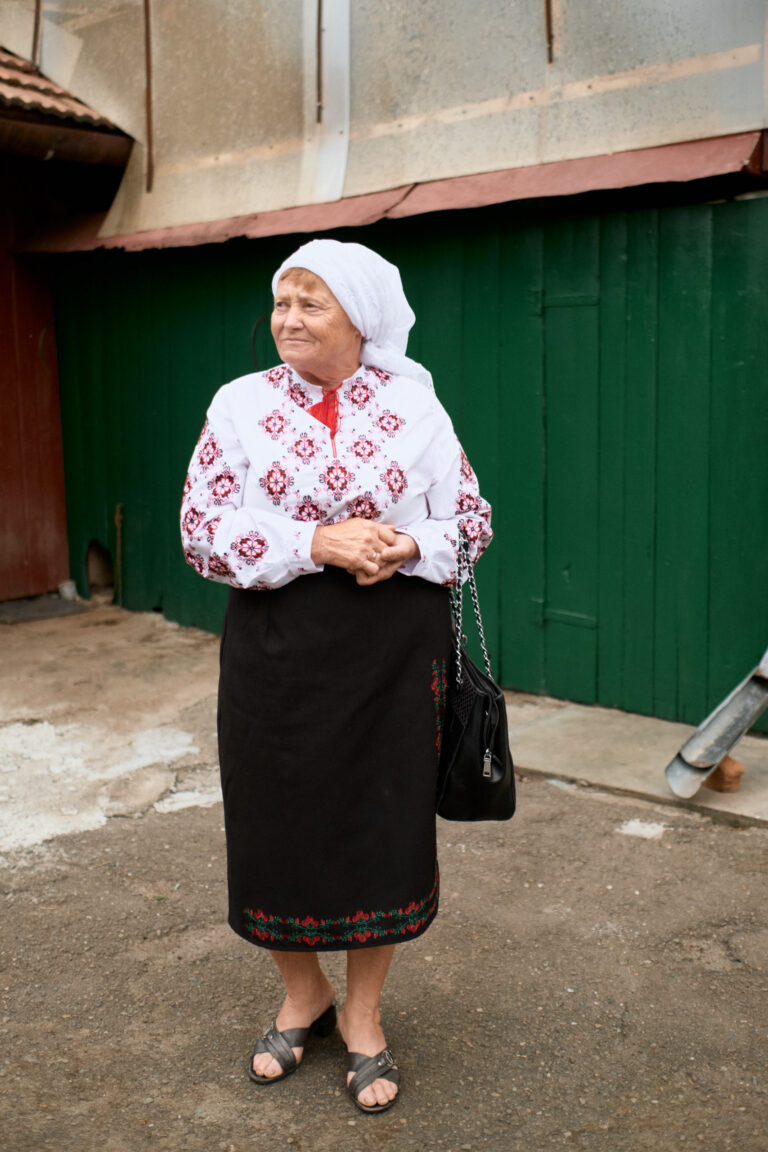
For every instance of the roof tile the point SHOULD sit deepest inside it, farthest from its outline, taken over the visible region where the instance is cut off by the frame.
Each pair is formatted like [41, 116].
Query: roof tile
[22, 87]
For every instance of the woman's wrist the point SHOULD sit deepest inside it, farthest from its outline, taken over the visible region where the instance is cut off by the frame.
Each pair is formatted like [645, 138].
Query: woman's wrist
[414, 552]
[318, 551]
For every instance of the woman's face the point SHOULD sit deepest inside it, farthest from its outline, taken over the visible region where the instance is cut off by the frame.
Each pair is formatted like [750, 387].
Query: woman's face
[312, 331]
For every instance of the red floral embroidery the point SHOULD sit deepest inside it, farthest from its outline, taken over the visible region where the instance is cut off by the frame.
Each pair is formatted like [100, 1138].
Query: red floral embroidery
[223, 486]
[384, 377]
[337, 478]
[193, 518]
[195, 560]
[452, 580]
[308, 485]
[298, 395]
[472, 529]
[380, 927]
[364, 449]
[364, 507]
[308, 510]
[439, 687]
[219, 566]
[394, 478]
[360, 394]
[390, 422]
[209, 452]
[250, 547]
[467, 502]
[274, 424]
[276, 482]
[305, 447]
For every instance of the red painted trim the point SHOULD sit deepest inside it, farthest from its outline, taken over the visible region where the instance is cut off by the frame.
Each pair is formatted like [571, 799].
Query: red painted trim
[692, 160]
[82, 234]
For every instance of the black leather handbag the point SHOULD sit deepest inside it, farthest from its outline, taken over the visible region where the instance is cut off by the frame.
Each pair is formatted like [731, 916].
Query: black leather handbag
[476, 779]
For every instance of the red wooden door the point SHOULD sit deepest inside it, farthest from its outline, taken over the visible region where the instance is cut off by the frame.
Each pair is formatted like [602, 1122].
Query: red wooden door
[33, 530]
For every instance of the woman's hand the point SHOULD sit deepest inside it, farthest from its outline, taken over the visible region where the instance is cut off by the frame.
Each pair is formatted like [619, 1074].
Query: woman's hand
[392, 557]
[368, 550]
[355, 544]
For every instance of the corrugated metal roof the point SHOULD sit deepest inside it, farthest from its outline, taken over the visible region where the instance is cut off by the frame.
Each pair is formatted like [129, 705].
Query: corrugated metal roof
[23, 88]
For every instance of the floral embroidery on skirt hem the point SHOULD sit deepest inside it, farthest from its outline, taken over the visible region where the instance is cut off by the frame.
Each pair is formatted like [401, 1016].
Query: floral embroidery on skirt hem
[361, 929]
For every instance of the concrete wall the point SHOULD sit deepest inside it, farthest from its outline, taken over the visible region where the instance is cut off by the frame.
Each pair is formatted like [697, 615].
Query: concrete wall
[411, 91]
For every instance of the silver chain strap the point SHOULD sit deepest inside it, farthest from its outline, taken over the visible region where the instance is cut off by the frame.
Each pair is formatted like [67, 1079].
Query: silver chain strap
[465, 565]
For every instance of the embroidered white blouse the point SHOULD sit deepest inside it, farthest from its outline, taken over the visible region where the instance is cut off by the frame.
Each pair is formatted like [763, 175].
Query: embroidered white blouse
[265, 472]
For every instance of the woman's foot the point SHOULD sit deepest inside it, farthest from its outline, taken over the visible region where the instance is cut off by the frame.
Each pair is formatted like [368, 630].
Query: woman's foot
[362, 1033]
[295, 1013]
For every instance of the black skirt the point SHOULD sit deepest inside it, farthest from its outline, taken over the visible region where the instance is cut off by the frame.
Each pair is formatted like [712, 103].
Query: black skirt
[331, 702]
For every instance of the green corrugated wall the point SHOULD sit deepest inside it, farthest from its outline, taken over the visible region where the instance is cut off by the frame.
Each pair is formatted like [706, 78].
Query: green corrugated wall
[606, 373]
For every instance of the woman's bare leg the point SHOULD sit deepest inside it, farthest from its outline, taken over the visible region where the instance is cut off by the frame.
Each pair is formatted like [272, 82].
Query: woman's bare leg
[360, 1019]
[308, 992]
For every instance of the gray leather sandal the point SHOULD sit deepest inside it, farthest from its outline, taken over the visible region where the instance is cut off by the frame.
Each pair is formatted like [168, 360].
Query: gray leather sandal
[280, 1045]
[367, 1069]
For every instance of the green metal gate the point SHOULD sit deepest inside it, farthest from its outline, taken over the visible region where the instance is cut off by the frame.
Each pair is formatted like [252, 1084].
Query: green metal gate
[639, 544]
[606, 373]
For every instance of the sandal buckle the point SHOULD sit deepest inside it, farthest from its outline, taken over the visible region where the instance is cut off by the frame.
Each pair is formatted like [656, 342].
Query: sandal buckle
[386, 1059]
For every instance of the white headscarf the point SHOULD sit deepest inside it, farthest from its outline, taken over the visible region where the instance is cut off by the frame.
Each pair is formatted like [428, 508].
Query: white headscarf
[370, 291]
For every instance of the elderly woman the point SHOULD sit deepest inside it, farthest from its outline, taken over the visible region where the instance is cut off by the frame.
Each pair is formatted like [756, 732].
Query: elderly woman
[330, 492]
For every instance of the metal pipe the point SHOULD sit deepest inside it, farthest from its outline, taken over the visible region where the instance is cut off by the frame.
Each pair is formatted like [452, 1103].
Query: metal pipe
[37, 35]
[319, 61]
[330, 138]
[148, 96]
[550, 31]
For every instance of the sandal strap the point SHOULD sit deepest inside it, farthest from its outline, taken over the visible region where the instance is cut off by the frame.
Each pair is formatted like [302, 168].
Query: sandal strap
[296, 1037]
[370, 1068]
[280, 1045]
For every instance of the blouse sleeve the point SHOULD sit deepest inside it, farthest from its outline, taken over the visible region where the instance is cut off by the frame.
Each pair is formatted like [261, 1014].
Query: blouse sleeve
[454, 503]
[223, 540]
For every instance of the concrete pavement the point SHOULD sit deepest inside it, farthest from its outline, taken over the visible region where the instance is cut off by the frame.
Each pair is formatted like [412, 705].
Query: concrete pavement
[626, 753]
[595, 980]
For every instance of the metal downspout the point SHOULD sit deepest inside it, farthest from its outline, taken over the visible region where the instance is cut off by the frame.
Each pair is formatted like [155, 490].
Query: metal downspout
[326, 100]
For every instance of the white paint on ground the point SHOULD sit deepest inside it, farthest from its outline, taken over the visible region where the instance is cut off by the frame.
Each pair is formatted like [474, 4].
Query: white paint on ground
[155, 746]
[646, 829]
[186, 799]
[58, 749]
[54, 778]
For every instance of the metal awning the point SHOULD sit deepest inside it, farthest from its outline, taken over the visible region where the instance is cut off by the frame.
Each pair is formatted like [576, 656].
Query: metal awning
[745, 152]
